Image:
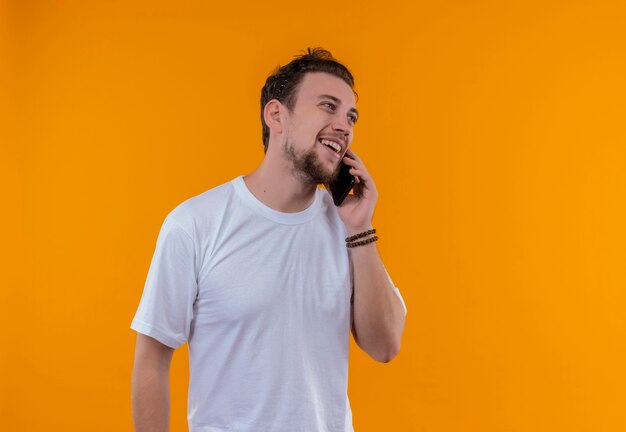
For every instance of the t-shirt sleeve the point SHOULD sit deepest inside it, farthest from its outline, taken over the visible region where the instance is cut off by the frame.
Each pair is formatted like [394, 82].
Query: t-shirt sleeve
[165, 311]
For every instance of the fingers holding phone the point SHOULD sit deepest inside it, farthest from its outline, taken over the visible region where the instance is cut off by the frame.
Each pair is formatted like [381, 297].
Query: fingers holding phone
[364, 184]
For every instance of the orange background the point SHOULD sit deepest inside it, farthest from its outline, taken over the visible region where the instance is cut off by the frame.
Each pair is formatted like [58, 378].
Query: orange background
[494, 131]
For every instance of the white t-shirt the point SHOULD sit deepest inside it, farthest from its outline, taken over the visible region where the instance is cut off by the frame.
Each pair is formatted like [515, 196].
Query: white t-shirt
[263, 299]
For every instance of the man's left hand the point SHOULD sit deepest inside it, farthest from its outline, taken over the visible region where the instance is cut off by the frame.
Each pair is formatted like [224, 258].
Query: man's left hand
[357, 210]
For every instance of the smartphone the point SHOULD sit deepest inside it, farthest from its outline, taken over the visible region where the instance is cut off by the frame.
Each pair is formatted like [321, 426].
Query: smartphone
[341, 187]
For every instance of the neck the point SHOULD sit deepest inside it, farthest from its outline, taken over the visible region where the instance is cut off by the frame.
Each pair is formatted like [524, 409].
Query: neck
[275, 185]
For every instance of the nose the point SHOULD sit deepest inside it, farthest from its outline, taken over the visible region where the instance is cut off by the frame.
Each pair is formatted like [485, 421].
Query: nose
[341, 125]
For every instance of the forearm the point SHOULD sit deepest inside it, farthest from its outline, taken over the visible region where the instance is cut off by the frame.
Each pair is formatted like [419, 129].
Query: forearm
[150, 399]
[378, 313]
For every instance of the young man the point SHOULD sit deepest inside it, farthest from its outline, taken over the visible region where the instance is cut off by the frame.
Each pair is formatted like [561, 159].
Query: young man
[258, 276]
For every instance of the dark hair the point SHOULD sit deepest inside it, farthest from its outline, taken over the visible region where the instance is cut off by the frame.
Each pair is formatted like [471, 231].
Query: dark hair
[283, 83]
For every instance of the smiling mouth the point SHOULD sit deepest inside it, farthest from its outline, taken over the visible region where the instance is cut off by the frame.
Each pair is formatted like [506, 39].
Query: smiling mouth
[331, 145]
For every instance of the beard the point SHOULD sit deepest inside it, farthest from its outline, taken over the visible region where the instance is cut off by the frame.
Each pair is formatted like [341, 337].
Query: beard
[307, 166]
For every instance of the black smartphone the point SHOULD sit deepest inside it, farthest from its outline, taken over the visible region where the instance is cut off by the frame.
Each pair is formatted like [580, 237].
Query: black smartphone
[341, 187]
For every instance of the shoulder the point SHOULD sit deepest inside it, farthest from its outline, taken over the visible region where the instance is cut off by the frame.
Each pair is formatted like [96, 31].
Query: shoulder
[193, 213]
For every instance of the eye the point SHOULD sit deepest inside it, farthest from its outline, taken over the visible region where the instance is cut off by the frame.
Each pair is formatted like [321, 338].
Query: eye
[330, 105]
[352, 118]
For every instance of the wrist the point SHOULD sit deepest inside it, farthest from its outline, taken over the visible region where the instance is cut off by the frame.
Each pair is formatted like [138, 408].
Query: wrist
[350, 231]
[361, 238]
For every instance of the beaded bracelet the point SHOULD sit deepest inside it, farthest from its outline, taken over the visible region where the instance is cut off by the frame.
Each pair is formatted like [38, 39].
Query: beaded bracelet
[359, 235]
[362, 242]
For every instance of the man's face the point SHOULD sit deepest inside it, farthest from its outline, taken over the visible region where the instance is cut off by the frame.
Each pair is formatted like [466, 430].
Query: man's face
[324, 111]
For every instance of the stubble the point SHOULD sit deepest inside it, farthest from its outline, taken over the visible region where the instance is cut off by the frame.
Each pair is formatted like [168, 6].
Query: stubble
[307, 167]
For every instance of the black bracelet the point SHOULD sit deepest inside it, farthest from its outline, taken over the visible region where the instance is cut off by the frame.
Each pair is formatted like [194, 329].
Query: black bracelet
[362, 242]
[359, 235]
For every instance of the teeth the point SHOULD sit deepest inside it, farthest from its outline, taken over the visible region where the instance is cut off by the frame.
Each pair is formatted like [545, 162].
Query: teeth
[332, 144]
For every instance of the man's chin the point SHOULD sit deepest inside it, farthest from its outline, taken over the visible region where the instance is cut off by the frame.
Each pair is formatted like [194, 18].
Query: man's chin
[329, 175]
[335, 174]
[317, 170]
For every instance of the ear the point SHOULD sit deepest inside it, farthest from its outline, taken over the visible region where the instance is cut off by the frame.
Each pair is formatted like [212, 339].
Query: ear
[272, 115]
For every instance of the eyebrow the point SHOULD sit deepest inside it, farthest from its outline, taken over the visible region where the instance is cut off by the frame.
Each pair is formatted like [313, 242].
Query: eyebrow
[337, 100]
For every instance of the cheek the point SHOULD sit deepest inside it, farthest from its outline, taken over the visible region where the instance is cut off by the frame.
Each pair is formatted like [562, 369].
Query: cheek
[314, 133]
